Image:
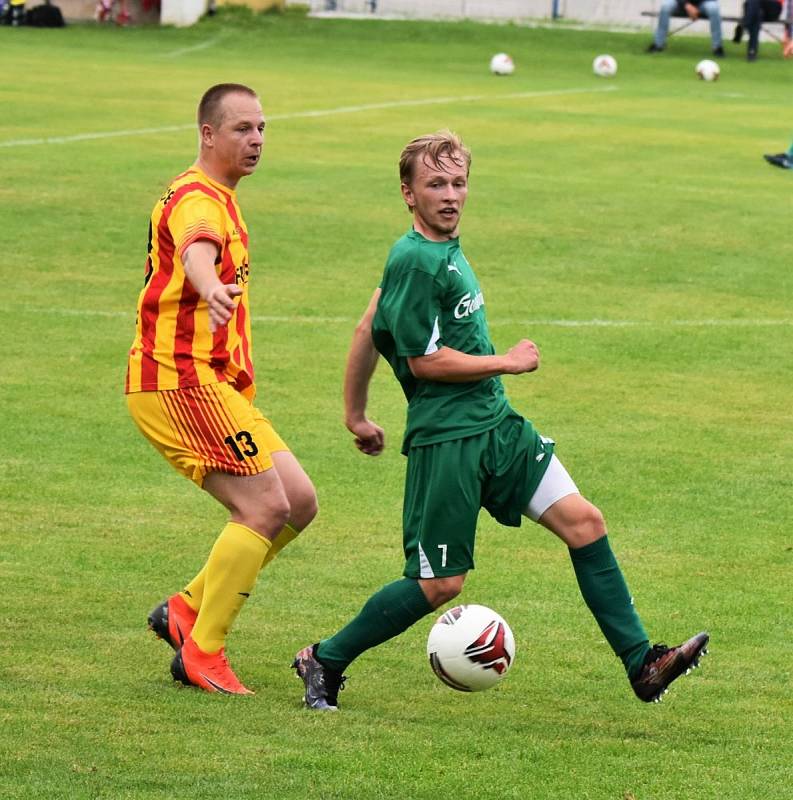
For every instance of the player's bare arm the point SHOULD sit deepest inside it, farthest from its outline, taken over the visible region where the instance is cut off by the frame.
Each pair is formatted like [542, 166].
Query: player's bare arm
[361, 363]
[199, 266]
[452, 366]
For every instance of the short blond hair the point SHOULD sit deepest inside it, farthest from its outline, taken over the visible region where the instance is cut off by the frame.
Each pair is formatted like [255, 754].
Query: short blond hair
[433, 147]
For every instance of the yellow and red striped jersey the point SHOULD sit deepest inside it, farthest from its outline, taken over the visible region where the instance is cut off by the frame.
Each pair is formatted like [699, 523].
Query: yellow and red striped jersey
[173, 347]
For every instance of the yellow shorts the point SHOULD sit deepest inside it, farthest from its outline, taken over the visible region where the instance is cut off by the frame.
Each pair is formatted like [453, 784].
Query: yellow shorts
[204, 429]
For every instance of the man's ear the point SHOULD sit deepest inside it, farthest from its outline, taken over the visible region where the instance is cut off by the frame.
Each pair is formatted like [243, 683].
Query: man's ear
[407, 195]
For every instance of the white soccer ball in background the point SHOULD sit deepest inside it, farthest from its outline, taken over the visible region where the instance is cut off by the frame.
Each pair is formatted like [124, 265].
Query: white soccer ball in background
[605, 66]
[471, 648]
[708, 70]
[502, 64]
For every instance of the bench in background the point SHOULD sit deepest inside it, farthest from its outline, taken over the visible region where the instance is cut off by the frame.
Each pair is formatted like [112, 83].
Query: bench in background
[766, 25]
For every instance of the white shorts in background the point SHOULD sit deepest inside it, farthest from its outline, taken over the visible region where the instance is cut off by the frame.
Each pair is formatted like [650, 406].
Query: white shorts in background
[555, 484]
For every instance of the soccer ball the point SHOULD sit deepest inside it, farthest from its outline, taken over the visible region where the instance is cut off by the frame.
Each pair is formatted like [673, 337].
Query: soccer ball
[471, 648]
[605, 66]
[708, 70]
[502, 64]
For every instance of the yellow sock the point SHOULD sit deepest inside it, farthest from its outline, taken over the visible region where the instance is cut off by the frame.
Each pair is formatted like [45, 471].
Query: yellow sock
[231, 571]
[193, 593]
[287, 534]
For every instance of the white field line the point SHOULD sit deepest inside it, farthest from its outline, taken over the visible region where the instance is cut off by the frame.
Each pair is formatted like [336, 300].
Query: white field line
[429, 101]
[635, 323]
[82, 137]
[300, 319]
[327, 112]
[200, 46]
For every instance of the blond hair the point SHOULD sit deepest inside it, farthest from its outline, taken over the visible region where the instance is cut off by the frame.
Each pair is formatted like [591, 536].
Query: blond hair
[433, 147]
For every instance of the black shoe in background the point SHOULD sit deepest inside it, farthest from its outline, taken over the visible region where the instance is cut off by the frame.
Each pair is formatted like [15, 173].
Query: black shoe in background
[782, 160]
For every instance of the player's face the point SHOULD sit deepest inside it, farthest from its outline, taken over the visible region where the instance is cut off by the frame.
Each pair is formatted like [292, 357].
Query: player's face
[437, 195]
[236, 143]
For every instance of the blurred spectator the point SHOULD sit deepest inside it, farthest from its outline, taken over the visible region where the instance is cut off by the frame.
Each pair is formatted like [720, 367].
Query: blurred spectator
[693, 9]
[755, 13]
[113, 11]
[15, 13]
[45, 15]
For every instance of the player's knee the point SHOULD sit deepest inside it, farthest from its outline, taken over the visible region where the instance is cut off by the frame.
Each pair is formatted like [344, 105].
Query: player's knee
[441, 590]
[590, 525]
[266, 519]
[452, 588]
[278, 515]
[304, 508]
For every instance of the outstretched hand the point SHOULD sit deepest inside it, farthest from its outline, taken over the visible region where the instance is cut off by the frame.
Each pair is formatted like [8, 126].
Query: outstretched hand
[221, 304]
[369, 438]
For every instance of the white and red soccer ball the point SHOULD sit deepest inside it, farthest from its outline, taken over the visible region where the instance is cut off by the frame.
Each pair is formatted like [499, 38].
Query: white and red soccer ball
[605, 66]
[708, 70]
[502, 64]
[471, 648]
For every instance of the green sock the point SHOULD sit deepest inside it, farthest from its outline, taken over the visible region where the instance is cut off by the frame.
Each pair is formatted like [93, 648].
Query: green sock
[605, 592]
[387, 613]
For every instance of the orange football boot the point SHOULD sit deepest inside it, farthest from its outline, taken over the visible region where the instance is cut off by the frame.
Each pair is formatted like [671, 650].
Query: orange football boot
[208, 671]
[173, 620]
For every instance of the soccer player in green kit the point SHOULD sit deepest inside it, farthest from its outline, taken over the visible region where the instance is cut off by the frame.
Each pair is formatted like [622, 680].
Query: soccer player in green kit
[467, 448]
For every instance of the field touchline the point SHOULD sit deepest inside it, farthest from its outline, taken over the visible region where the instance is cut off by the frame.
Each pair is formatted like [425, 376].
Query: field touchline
[327, 112]
[193, 48]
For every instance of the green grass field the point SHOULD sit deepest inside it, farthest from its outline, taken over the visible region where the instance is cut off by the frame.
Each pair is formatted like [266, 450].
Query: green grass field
[628, 226]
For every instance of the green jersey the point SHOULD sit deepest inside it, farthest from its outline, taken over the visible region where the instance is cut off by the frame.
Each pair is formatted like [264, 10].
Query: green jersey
[429, 299]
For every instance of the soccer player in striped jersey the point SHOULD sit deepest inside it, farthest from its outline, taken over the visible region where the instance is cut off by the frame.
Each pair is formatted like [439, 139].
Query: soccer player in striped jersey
[190, 386]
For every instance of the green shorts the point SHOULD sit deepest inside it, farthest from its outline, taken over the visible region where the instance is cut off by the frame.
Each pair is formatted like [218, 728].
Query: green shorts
[447, 483]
